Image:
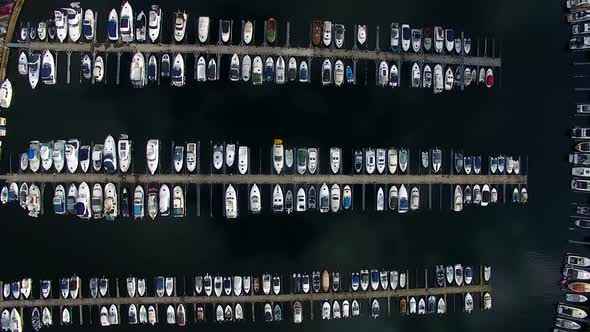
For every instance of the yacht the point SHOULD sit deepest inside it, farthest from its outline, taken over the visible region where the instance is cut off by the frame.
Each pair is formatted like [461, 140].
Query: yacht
[179, 26]
[403, 160]
[248, 32]
[302, 158]
[212, 70]
[257, 77]
[98, 70]
[165, 66]
[23, 63]
[255, 200]
[416, 80]
[243, 159]
[361, 34]
[278, 155]
[327, 33]
[33, 156]
[246, 68]
[178, 77]
[138, 203]
[383, 78]
[449, 40]
[312, 155]
[74, 21]
[152, 153]
[468, 303]
[48, 68]
[234, 69]
[393, 198]
[82, 205]
[225, 31]
[406, 37]
[449, 78]
[438, 79]
[140, 28]
[112, 26]
[231, 203]
[137, 71]
[467, 195]
[277, 199]
[201, 70]
[203, 28]
[164, 200]
[109, 155]
[335, 160]
[71, 153]
[303, 73]
[394, 37]
[427, 77]
[403, 205]
[123, 152]
[60, 25]
[84, 157]
[154, 23]
[178, 208]
[370, 161]
[326, 72]
[416, 40]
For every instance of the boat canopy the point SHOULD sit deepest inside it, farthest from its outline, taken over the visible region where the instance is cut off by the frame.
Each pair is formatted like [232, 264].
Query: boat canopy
[124, 22]
[84, 154]
[80, 208]
[31, 154]
[152, 70]
[87, 28]
[108, 164]
[176, 73]
[112, 29]
[46, 72]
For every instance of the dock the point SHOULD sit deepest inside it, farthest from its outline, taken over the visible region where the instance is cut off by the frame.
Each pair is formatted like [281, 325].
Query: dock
[264, 178]
[18, 5]
[331, 53]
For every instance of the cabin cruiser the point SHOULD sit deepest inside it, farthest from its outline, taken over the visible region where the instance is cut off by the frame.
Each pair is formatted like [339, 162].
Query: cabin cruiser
[98, 71]
[203, 29]
[231, 203]
[225, 31]
[140, 28]
[393, 76]
[489, 78]
[212, 70]
[458, 44]
[191, 156]
[178, 208]
[327, 33]
[152, 153]
[394, 37]
[164, 200]
[112, 25]
[427, 77]
[277, 199]
[449, 79]
[416, 40]
[74, 21]
[23, 63]
[361, 34]
[301, 160]
[280, 71]
[257, 77]
[154, 23]
[59, 200]
[255, 205]
[338, 73]
[82, 206]
[248, 32]
[179, 26]
[84, 157]
[406, 37]
[33, 201]
[165, 66]
[60, 25]
[383, 78]
[137, 73]
[278, 155]
[48, 69]
[436, 160]
[97, 201]
[71, 153]
[391, 160]
[34, 69]
[109, 155]
[403, 205]
[339, 30]
[51, 29]
[380, 199]
[416, 76]
[380, 160]
[370, 161]
[327, 72]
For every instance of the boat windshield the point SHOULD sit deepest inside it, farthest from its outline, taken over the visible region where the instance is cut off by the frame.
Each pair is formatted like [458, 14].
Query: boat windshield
[124, 23]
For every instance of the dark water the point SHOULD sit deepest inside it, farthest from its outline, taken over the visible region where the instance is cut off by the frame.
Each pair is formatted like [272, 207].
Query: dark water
[526, 116]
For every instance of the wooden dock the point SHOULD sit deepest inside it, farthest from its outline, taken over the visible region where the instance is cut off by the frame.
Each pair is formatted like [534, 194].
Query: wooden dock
[264, 178]
[18, 5]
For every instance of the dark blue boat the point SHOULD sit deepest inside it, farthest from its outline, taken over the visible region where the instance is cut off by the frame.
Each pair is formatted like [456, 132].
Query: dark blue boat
[113, 29]
[349, 74]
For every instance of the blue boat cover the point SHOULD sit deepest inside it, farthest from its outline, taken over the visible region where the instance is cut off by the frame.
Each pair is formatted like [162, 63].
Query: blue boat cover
[11, 196]
[152, 71]
[137, 209]
[31, 154]
[87, 29]
[176, 72]
[112, 29]
[84, 154]
[160, 283]
[348, 73]
[80, 208]
[63, 284]
[108, 165]
[46, 72]
[346, 202]
[374, 276]
[303, 74]
[403, 203]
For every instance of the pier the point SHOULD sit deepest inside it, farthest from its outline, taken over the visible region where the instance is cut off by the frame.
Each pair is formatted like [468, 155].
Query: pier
[18, 5]
[262, 51]
[265, 178]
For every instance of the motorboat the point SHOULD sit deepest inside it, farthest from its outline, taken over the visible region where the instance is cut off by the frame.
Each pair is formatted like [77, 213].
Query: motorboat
[311, 198]
[427, 77]
[278, 155]
[86, 67]
[416, 40]
[248, 32]
[97, 201]
[301, 204]
[489, 78]
[255, 199]
[577, 261]
[154, 22]
[416, 76]
[438, 79]
[59, 200]
[111, 202]
[347, 197]
[316, 32]
[208, 284]
[324, 198]
[370, 161]
[403, 160]
[152, 203]
[212, 70]
[152, 152]
[477, 164]
[257, 77]
[234, 69]
[406, 37]
[24, 193]
[338, 73]
[227, 287]
[394, 37]
[64, 288]
[178, 158]
[449, 40]
[575, 273]
[152, 69]
[391, 160]
[449, 79]
[339, 31]
[23, 63]
[427, 39]
[237, 283]
[137, 72]
[177, 73]
[45, 154]
[178, 208]
[327, 33]
[335, 198]
[61, 28]
[393, 198]
[74, 21]
[380, 199]
[458, 45]
[393, 76]
[280, 71]
[476, 194]
[326, 72]
[467, 195]
[403, 203]
[169, 286]
[140, 27]
[48, 69]
[467, 45]
[349, 74]
[467, 164]
[109, 154]
[266, 283]
[112, 26]
[458, 199]
[246, 68]
[179, 26]
[138, 203]
[276, 285]
[71, 153]
[203, 28]
[468, 305]
[303, 72]
[33, 201]
[271, 30]
[278, 204]
[165, 66]
[51, 29]
[225, 31]
[383, 78]
[458, 274]
[415, 199]
[361, 34]
[218, 156]
[231, 203]
[98, 69]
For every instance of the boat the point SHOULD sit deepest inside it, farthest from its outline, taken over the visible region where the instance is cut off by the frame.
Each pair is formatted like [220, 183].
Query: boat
[203, 29]
[246, 68]
[459, 274]
[347, 198]
[477, 164]
[208, 284]
[427, 77]
[403, 203]
[86, 67]
[276, 285]
[380, 199]
[45, 154]
[278, 155]
[152, 152]
[151, 314]
[177, 73]
[301, 200]
[255, 205]
[140, 27]
[178, 158]
[178, 208]
[24, 34]
[61, 27]
[154, 23]
[26, 287]
[326, 72]
[152, 203]
[406, 37]
[217, 156]
[280, 71]
[458, 45]
[98, 69]
[450, 274]
[271, 31]
[97, 201]
[467, 45]
[227, 286]
[297, 312]
[48, 71]
[316, 32]
[123, 152]
[335, 198]
[257, 77]
[103, 287]
[138, 202]
[449, 40]
[415, 199]
[65, 316]
[248, 32]
[327, 33]
[574, 273]
[338, 73]
[324, 198]
[425, 159]
[393, 198]
[71, 153]
[394, 37]
[266, 283]
[165, 66]
[225, 31]
[277, 199]
[160, 287]
[567, 324]
[415, 76]
[421, 306]
[152, 69]
[231, 203]
[458, 199]
[416, 40]
[364, 279]
[112, 26]
[237, 283]
[126, 23]
[111, 201]
[468, 303]
[449, 79]
[23, 63]
[141, 287]
[234, 70]
[179, 26]
[303, 74]
[403, 160]
[311, 198]
[137, 72]
[74, 21]
[489, 78]
[383, 78]
[370, 161]
[412, 305]
[576, 298]
[438, 79]
[427, 40]
[109, 161]
[212, 70]
[51, 29]
[339, 31]
[349, 74]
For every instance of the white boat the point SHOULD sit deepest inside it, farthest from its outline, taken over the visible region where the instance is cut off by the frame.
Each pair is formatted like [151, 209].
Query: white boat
[231, 203]
[86, 67]
[112, 26]
[131, 286]
[335, 160]
[278, 155]
[361, 34]
[152, 203]
[439, 38]
[381, 160]
[83, 202]
[393, 198]
[380, 199]
[191, 156]
[327, 33]
[71, 153]
[179, 26]
[458, 44]
[154, 23]
[243, 159]
[111, 202]
[225, 31]
[140, 27]
[84, 157]
[335, 198]
[303, 73]
[230, 154]
[458, 199]
[246, 68]
[406, 37]
[74, 21]
[165, 66]
[164, 200]
[383, 78]
[449, 40]
[301, 201]
[277, 199]
[212, 70]
[178, 158]
[88, 25]
[415, 199]
[98, 70]
[109, 153]
[324, 198]
[327, 72]
[427, 77]
[449, 79]
[48, 68]
[61, 26]
[370, 161]
[234, 68]
[416, 40]
[402, 206]
[5, 94]
[138, 203]
[280, 71]
[137, 72]
[152, 154]
[203, 28]
[201, 70]
[248, 32]
[178, 208]
[459, 274]
[152, 72]
[312, 156]
[23, 63]
[468, 303]
[255, 206]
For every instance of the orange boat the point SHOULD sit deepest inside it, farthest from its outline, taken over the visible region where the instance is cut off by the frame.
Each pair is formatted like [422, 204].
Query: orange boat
[326, 281]
[403, 307]
[316, 32]
[579, 287]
